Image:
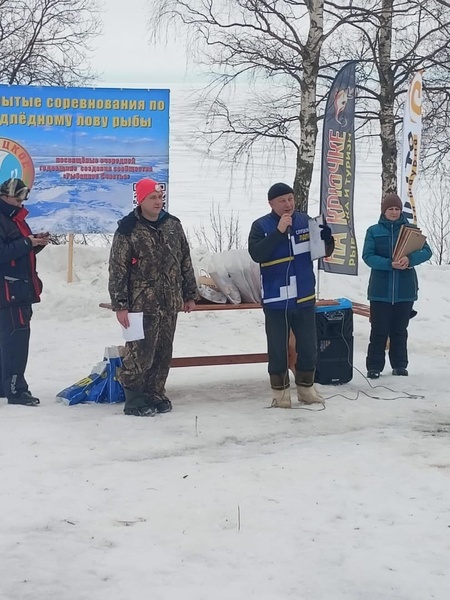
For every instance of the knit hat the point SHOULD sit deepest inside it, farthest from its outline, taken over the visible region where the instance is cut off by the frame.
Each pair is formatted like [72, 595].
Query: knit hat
[279, 189]
[389, 201]
[144, 187]
[14, 188]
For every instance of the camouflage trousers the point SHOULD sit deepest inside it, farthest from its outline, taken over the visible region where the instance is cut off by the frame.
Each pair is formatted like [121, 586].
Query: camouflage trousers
[146, 363]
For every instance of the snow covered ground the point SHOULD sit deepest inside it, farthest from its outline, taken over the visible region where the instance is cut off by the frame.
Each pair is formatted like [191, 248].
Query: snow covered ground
[224, 498]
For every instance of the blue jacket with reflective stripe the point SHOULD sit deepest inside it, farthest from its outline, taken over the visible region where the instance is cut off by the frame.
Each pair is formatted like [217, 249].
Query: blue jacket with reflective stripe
[287, 274]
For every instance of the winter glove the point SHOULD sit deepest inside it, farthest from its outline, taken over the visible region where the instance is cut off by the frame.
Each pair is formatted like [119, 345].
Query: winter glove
[325, 234]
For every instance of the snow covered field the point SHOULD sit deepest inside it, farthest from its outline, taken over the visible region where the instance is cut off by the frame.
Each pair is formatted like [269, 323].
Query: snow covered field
[222, 498]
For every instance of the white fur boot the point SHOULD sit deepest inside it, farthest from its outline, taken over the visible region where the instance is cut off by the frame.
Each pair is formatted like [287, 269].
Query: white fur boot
[309, 395]
[281, 398]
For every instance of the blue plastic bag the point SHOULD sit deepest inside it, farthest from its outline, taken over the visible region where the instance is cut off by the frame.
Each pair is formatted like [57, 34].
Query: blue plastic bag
[98, 391]
[114, 391]
[102, 385]
[87, 389]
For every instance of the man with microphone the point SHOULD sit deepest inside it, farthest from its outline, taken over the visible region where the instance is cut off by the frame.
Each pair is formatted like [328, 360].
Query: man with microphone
[279, 242]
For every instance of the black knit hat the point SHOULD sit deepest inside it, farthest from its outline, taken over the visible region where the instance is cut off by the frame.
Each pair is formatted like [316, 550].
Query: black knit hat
[279, 189]
[14, 188]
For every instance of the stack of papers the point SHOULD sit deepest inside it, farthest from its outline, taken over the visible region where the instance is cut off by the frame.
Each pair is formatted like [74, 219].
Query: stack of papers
[409, 240]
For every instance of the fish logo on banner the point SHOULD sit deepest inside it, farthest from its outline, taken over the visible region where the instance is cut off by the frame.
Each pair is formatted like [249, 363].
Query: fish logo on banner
[338, 172]
[412, 131]
[340, 102]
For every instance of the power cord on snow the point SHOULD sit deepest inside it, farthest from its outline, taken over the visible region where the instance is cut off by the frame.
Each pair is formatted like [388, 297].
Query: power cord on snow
[360, 392]
[319, 407]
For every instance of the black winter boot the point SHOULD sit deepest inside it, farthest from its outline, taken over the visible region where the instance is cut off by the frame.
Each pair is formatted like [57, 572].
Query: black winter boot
[137, 404]
[402, 372]
[162, 403]
[24, 399]
[372, 374]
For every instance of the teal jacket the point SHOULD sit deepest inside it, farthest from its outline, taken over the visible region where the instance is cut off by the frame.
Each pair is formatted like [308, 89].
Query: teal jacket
[387, 284]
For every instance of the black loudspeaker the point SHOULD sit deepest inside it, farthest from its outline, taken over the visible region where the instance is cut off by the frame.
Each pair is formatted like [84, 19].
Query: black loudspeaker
[334, 343]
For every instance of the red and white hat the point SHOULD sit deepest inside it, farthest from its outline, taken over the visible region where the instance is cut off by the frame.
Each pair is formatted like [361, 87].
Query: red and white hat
[144, 187]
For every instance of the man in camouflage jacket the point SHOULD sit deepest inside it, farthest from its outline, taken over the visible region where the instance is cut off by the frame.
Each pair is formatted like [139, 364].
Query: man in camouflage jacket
[150, 271]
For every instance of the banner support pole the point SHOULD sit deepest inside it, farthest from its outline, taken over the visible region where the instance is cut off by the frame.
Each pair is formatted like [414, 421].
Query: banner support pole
[318, 282]
[70, 259]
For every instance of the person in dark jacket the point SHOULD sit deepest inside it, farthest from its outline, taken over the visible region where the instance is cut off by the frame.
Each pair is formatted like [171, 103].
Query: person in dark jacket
[150, 271]
[392, 289]
[279, 242]
[20, 287]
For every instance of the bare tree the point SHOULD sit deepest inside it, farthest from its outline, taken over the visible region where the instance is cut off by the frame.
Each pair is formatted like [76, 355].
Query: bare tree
[393, 40]
[297, 46]
[46, 41]
[276, 40]
[437, 216]
[226, 233]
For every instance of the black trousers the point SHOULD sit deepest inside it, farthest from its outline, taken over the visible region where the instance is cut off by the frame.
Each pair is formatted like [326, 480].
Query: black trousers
[14, 345]
[302, 321]
[388, 321]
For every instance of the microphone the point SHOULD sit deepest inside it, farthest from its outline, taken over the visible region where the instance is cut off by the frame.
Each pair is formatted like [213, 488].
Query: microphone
[289, 230]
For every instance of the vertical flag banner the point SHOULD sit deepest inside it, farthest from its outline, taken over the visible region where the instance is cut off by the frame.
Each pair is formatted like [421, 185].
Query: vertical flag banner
[412, 131]
[338, 172]
[82, 150]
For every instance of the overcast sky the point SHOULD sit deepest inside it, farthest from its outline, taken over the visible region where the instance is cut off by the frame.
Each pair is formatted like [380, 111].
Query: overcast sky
[124, 55]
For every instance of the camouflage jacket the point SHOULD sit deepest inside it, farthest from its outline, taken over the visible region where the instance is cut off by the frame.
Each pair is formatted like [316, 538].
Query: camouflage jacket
[150, 265]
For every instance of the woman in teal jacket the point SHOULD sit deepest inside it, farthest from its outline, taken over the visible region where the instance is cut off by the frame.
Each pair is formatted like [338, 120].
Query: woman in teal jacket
[392, 289]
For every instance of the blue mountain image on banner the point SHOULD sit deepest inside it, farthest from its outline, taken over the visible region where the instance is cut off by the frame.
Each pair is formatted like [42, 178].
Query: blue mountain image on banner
[92, 206]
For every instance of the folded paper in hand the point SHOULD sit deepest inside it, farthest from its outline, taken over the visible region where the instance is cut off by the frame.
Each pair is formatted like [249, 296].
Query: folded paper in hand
[409, 239]
[136, 329]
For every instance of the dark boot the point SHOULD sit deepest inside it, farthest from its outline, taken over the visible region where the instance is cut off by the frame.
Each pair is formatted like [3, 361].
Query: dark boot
[162, 403]
[24, 399]
[372, 374]
[137, 404]
[401, 372]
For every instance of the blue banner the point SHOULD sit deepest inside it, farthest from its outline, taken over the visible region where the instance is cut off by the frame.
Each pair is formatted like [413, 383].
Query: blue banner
[82, 150]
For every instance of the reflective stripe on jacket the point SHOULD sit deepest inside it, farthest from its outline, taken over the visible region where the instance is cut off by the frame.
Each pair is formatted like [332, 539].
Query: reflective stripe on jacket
[287, 276]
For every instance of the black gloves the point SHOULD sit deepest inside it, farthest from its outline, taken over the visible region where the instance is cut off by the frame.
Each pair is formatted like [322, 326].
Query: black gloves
[325, 234]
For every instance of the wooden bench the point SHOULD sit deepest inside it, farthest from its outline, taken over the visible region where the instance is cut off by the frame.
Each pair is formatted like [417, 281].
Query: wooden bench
[242, 359]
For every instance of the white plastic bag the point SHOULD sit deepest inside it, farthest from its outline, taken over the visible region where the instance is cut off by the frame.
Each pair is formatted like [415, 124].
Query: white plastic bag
[222, 278]
[244, 273]
[208, 289]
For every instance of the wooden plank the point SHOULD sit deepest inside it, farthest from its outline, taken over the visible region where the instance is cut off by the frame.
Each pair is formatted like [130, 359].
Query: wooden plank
[357, 307]
[201, 307]
[361, 309]
[243, 306]
[241, 359]
[223, 359]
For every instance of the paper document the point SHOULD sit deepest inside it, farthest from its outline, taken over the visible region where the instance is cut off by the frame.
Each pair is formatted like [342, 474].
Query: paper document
[136, 329]
[316, 243]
